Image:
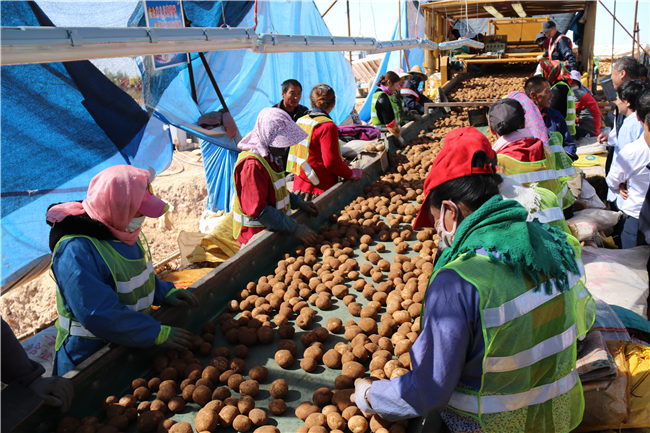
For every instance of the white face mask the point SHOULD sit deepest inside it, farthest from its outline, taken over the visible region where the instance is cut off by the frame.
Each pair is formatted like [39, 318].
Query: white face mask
[446, 238]
[135, 224]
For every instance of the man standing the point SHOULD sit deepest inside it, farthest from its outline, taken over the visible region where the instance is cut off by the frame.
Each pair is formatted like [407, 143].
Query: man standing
[559, 46]
[291, 94]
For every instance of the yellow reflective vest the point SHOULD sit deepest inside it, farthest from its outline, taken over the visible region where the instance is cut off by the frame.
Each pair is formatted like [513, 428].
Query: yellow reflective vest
[299, 153]
[282, 201]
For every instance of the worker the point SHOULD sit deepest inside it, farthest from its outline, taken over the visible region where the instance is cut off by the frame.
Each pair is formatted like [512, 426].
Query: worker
[540, 39]
[105, 282]
[643, 113]
[413, 98]
[631, 130]
[563, 98]
[316, 161]
[587, 110]
[290, 103]
[486, 362]
[561, 142]
[384, 112]
[18, 369]
[524, 159]
[558, 46]
[262, 200]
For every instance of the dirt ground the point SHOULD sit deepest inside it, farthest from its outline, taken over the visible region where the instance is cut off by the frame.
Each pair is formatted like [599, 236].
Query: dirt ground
[32, 306]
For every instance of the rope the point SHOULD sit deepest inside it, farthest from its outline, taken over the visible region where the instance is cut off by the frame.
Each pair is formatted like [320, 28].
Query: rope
[255, 15]
[168, 173]
[186, 161]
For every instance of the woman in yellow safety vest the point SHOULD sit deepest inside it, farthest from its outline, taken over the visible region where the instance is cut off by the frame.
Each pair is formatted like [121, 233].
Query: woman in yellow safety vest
[505, 305]
[316, 161]
[105, 282]
[384, 111]
[261, 199]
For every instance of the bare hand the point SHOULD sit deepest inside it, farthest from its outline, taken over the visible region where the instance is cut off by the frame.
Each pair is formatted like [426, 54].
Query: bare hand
[305, 234]
[622, 190]
[602, 137]
[55, 391]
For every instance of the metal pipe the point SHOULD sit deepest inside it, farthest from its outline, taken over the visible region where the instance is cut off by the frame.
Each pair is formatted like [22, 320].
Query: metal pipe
[636, 10]
[22, 45]
[328, 9]
[347, 5]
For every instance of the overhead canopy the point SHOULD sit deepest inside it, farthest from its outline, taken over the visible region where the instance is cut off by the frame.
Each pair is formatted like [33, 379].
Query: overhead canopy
[455, 9]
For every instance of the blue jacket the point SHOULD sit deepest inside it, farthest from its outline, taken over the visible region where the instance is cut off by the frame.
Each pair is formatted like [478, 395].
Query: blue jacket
[554, 121]
[88, 290]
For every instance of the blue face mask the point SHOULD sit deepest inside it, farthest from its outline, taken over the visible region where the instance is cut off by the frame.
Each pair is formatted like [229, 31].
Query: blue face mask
[420, 86]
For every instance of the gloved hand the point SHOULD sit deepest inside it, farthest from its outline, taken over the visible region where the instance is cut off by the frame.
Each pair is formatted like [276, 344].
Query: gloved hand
[305, 234]
[360, 396]
[178, 338]
[310, 208]
[55, 391]
[356, 173]
[182, 297]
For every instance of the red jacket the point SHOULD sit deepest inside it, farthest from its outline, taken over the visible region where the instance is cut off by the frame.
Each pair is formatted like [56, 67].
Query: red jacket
[526, 150]
[587, 109]
[255, 191]
[325, 159]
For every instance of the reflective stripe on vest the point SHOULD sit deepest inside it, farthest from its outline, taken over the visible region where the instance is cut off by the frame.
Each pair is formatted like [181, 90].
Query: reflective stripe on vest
[552, 47]
[411, 92]
[282, 199]
[549, 215]
[529, 382]
[374, 119]
[570, 117]
[491, 404]
[299, 153]
[134, 282]
[564, 167]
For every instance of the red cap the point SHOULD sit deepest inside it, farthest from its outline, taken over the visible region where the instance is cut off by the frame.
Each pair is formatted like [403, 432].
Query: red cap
[454, 161]
[152, 206]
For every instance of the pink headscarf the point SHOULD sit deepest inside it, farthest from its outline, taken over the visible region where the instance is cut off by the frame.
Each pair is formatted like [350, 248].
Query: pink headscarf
[273, 128]
[534, 120]
[114, 197]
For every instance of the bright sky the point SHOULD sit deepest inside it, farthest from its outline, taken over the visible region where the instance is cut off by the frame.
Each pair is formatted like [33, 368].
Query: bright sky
[377, 18]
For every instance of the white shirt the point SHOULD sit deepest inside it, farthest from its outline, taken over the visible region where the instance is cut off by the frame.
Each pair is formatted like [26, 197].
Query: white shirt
[631, 130]
[630, 167]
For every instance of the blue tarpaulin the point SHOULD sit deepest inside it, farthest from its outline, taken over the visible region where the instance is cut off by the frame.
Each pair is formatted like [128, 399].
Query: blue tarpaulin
[412, 27]
[62, 123]
[248, 81]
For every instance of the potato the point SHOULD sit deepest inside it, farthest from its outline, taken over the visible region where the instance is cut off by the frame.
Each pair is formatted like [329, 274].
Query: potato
[249, 387]
[335, 421]
[176, 405]
[258, 373]
[201, 395]
[234, 381]
[227, 415]
[357, 424]
[164, 426]
[322, 397]
[349, 412]
[353, 369]
[265, 335]
[332, 359]
[286, 331]
[315, 419]
[148, 421]
[341, 398]
[305, 409]
[289, 345]
[221, 393]
[214, 405]
[144, 406]
[158, 405]
[267, 429]
[334, 324]
[142, 393]
[277, 406]
[279, 388]
[181, 427]
[245, 404]
[309, 364]
[284, 358]
[258, 416]
[343, 382]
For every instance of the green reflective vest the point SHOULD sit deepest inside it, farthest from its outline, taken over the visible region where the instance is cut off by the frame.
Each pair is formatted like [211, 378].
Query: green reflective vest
[529, 381]
[571, 116]
[299, 153]
[564, 168]
[135, 284]
[373, 111]
[550, 211]
[282, 201]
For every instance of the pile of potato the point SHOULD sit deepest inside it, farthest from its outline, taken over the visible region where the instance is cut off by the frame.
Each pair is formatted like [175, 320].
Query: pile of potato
[348, 266]
[480, 87]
